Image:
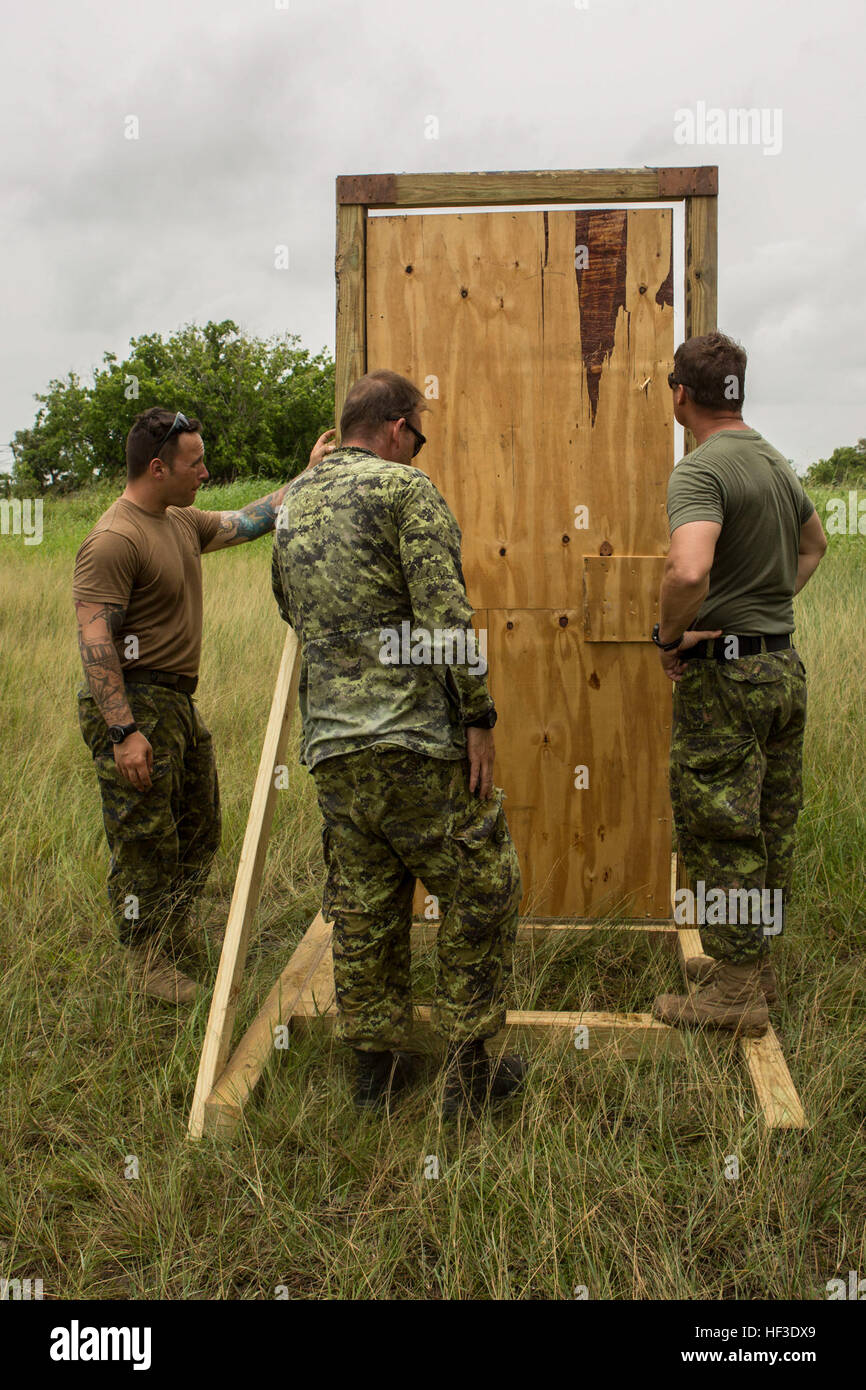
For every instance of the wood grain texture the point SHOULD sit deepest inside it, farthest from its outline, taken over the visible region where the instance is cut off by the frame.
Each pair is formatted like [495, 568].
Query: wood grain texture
[620, 596]
[351, 350]
[245, 896]
[527, 186]
[774, 1088]
[701, 274]
[541, 469]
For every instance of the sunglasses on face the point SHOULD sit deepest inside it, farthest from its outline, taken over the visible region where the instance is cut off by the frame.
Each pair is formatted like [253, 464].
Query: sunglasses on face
[420, 439]
[181, 423]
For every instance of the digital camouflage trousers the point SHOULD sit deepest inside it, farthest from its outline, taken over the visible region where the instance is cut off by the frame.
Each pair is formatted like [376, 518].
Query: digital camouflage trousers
[736, 778]
[391, 816]
[162, 841]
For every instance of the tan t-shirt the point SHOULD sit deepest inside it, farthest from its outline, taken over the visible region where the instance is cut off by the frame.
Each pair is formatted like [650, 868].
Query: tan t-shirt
[151, 564]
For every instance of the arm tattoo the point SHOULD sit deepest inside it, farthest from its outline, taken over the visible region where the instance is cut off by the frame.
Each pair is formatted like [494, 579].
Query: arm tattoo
[96, 625]
[252, 521]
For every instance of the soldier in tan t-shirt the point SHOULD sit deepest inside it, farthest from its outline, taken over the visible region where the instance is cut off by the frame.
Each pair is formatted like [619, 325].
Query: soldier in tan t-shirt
[138, 597]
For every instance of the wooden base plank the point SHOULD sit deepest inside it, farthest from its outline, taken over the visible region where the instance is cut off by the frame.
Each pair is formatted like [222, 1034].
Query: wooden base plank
[626, 1035]
[423, 934]
[772, 1082]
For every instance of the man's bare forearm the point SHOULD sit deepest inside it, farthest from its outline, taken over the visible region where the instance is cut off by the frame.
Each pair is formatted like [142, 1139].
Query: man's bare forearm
[807, 563]
[100, 661]
[679, 604]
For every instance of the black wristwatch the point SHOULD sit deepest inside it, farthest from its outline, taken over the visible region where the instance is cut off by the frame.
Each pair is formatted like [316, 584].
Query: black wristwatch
[118, 732]
[485, 722]
[665, 646]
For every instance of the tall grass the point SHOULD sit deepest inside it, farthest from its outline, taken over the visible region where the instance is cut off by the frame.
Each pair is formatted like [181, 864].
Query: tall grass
[605, 1174]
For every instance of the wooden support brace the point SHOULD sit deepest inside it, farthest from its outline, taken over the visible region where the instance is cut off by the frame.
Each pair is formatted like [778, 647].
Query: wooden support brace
[245, 897]
[295, 989]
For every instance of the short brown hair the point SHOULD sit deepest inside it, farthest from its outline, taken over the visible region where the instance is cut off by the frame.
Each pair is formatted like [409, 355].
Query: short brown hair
[375, 398]
[713, 368]
[143, 440]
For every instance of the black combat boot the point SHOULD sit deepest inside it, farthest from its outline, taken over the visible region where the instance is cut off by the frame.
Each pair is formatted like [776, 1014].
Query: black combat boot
[379, 1075]
[471, 1081]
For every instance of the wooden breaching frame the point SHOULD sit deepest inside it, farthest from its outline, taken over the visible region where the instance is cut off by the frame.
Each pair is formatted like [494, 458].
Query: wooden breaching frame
[616, 609]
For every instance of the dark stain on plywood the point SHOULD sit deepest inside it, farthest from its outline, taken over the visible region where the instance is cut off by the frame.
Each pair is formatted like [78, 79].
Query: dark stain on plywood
[600, 289]
[665, 292]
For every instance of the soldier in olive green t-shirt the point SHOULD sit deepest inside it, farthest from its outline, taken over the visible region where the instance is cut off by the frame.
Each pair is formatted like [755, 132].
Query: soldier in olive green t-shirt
[737, 479]
[745, 538]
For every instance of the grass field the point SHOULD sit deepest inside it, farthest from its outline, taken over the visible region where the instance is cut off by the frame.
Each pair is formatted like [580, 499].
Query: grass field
[605, 1175]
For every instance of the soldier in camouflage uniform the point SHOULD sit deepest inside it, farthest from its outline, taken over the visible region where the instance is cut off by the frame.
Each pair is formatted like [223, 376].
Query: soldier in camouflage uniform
[745, 539]
[400, 743]
[138, 598]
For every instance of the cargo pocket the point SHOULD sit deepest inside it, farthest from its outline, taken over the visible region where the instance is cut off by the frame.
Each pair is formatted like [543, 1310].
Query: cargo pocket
[131, 814]
[486, 824]
[716, 786]
[490, 886]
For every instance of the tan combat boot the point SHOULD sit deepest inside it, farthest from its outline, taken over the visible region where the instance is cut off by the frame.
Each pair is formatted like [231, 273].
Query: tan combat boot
[701, 969]
[733, 999]
[157, 976]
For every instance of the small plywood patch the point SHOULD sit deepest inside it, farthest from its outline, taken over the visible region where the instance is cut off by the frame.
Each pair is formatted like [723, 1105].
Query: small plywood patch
[620, 596]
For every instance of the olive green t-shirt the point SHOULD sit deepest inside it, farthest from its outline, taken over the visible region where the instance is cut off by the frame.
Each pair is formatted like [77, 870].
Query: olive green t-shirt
[739, 480]
[151, 565]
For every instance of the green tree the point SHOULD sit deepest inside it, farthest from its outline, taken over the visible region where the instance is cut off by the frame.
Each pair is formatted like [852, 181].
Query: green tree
[262, 404]
[846, 465]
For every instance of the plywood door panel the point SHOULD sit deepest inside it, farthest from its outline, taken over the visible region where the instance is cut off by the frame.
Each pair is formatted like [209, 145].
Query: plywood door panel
[544, 342]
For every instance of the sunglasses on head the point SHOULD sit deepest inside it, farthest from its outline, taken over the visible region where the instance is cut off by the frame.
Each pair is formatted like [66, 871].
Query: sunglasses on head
[673, 380]
[420, 439]
[181, 424]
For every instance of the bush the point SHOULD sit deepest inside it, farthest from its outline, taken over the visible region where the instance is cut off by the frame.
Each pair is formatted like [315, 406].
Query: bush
[262, 403]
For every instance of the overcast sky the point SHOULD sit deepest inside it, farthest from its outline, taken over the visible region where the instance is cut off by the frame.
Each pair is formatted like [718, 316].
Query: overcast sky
[248, 111]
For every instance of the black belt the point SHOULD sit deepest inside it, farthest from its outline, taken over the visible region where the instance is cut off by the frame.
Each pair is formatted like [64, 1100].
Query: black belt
[185, 684]
[723, 648]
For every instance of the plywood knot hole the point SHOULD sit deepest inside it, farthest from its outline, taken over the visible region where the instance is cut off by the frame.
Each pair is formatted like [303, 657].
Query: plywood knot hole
[605, 548]
[409, 269]
[563, 622]
[464, 293]
[594, 681]
[509, 625]
[641, 289]
[545, 739]
[502, 550]
[566, 539]
[601, 832]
